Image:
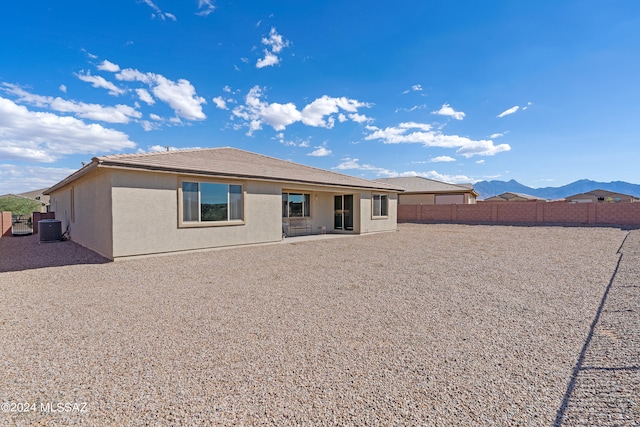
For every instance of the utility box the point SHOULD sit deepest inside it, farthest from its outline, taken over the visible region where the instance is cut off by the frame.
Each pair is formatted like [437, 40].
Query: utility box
[50, 230]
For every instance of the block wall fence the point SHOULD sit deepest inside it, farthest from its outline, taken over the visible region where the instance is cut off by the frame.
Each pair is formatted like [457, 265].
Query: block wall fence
[618, 214]
[6, 221]
[5, 224]
[37, 216]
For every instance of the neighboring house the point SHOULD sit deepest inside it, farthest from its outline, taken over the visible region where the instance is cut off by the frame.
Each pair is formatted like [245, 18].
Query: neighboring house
[37, 195]
[514, 197]
[601, 196]
[425, 191]
[134, 204]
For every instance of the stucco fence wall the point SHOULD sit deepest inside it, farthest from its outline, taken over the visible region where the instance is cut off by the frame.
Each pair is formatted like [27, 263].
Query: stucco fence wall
[5, 224]
[626, 214]
[6, 220]
[37, 216]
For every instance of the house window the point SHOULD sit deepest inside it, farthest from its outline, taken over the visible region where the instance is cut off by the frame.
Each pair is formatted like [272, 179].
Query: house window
[296, 205]
[211, 202]
[380, 205]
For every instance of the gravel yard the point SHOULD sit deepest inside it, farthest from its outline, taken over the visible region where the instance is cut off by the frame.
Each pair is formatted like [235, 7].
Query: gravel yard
[435, 325]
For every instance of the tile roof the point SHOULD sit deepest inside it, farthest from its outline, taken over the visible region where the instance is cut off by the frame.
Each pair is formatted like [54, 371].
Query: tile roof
[229, 162]
[602, 193]
[512, 195]
[419, 184]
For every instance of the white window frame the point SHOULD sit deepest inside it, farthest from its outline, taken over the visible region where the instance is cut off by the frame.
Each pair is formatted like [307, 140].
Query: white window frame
[381, 196]
[298, 193]
[199, 223]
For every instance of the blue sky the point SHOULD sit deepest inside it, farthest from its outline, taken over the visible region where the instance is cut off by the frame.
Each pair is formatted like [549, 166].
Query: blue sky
[543, 92]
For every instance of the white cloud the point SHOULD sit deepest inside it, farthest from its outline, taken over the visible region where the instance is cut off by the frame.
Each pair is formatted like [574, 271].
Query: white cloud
[145, 96]
[480, 162]
[180, 96]
[495, 135]
[118, 114]
[526, 106]
[101, 82]
[17, 179]
[275, 42]
[159, 13]
[45, 137]
[108, 66]
[280, 138]
[359, 118]
[442, 159]
[446, 110]
[149, 126]
[414, 88]
[159, 148]
[509, 111]
[481, 148]
[410, 109]
[130, 75]
[205, 7]
[421, 133]
[269, 60]
[414, 125]
[63, 88]
[320, 152]
[452, 179]
[220, 103]
[319, 113]
[354, 164]
[313, 114]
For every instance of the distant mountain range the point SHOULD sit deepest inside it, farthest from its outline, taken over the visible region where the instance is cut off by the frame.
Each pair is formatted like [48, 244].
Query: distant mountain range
[491, 188]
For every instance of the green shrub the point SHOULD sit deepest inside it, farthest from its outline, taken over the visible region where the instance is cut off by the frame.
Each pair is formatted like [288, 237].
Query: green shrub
[19, 205]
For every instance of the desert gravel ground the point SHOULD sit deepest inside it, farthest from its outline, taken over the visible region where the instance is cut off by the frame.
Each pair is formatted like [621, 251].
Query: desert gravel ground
[435, 325]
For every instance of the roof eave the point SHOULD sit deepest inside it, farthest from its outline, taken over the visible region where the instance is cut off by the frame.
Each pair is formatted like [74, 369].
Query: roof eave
[125, 165]
[74, 176]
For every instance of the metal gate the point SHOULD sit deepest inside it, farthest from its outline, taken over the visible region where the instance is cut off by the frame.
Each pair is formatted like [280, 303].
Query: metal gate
[21, 225]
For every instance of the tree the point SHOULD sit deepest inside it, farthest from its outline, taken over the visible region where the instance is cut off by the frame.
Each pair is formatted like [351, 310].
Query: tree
[19, 205]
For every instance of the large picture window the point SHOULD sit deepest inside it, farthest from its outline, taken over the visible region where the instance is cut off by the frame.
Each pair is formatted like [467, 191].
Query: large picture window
[296, 205]
[380, 205]
[211, 202]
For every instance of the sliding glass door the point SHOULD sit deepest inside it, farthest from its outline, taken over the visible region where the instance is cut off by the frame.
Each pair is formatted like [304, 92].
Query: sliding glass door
[343, 212]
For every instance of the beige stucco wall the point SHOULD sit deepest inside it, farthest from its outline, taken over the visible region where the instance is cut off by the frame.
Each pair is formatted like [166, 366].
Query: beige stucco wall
[321, 204]
[322, 209]
[429, 199]
[120, 213]
[417, 199]
[368, 223]
[145, 219]
[90, 225]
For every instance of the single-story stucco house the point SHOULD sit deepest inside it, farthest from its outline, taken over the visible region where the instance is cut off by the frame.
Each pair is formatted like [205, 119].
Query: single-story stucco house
[601, 196]
[514, 197]
[136, 204]
[425, 191]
